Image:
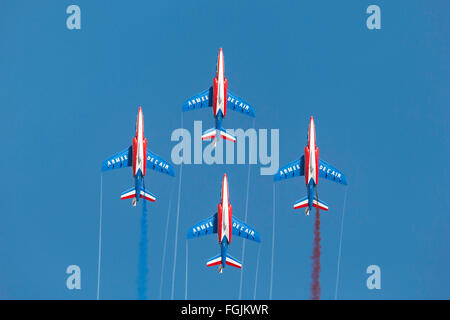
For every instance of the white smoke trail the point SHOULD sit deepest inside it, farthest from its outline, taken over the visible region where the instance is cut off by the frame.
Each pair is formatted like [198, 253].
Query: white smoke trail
[245, 220]
[163, 262]
[176, 224]
[256, 275]
[186, 282]
[100, 237]
[340, 245]
[273, 244]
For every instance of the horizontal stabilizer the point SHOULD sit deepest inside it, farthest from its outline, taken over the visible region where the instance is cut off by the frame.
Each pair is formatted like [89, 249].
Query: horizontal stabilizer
[131, 193]
[214, 261]
[233, 262]
[304, 202]
[213, 133]
[225, 135]
[128, 194]
[209, 134]
[147, 195]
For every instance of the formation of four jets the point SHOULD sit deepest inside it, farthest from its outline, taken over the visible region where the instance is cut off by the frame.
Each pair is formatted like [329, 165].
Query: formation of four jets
[223, 223]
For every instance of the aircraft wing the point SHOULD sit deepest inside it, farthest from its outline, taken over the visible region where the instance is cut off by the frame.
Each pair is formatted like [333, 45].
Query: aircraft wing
[243, 230]
[292, 169]
[203, 228]
[119, 160]
[238, 104]
[157, 163]
[329, 172]
[201, 100]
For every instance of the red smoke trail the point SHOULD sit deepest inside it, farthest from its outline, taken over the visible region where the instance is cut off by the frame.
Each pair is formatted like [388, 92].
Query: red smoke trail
[315, 285]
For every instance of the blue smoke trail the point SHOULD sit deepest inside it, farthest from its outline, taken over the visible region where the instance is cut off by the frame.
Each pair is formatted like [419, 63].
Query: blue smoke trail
[143, 269]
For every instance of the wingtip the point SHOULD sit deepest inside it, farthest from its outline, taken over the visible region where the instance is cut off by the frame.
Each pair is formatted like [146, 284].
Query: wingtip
[344, 181]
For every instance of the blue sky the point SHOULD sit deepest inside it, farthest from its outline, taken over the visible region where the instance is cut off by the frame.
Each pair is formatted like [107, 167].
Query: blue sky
[69, 100]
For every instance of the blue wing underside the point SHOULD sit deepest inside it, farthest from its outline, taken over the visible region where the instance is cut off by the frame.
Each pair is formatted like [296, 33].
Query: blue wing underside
[243, 230]
[199, 101]
[205, 99]
[124, 158]
[203, 228]
[238, 104]
[297, 168]
[157, 163]
[119, 160]
[293, 169]
[209, 226]
[327, 171]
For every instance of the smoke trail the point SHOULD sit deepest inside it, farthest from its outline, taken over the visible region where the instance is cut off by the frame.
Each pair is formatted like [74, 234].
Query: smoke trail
[340, 245]
[100, 238]
[315, 286]
[186, 282]
[143, 269]
[273, 244]
[245, 220]
[163, 261]
[256, 275]
[176, 224]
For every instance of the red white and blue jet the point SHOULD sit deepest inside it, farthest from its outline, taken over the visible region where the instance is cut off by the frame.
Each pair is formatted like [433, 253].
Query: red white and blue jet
[312, 167]
[219, 97]
[224, 224]
[140, 158]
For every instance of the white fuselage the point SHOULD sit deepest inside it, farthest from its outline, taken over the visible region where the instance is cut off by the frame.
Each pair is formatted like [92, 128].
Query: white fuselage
[312, 152]
[225, 227]
[220, 85]
[140, 158]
